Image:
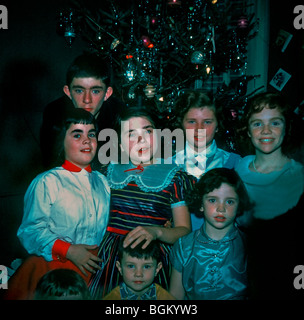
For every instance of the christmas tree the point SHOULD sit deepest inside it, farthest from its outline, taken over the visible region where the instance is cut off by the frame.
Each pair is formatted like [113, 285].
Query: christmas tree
[158, 48]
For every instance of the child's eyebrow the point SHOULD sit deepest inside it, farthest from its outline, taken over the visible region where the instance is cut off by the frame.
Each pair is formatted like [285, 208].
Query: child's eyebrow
[145, 127]
[202, 119]
[77, 131]
[81, 131]
[271, 119]
[81, 87]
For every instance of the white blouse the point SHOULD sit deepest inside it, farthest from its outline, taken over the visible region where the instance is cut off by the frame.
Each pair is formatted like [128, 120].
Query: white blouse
[212, 157]
[70, 206]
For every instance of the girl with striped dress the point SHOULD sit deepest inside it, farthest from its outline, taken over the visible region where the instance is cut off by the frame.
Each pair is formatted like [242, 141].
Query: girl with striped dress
[147, 200]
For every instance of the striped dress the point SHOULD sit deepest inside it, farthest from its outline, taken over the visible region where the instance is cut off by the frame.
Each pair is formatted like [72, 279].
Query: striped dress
[138, 198]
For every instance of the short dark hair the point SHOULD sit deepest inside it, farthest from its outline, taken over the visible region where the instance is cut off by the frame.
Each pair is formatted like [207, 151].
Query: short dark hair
[71, 116]
[90, 65]
[213, 179]
[60, 283]
[151, 251]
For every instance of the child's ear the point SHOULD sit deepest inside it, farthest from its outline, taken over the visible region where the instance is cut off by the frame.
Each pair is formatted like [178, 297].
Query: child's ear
[201, 209]
[118, 266]
[159, 266]
[249, 135]
[66, 90]
[108, 93]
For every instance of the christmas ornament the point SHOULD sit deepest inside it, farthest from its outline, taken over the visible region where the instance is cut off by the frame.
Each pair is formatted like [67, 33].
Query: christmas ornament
[149, 91]
[131, 69]
[69, 34]
[115, 43]
[147, 42]
[198, 57]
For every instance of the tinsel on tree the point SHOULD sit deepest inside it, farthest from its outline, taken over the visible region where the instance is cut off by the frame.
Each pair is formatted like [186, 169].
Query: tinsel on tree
[157, 48]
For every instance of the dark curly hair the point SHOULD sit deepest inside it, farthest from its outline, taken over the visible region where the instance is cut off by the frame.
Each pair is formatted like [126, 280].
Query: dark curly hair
[213, 179]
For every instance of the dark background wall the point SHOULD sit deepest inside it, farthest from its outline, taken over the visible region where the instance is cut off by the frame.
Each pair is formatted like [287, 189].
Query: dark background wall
[292, 59]
[33, 62]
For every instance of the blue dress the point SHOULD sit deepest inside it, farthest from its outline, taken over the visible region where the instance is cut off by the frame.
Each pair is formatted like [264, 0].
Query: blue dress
[211, 269]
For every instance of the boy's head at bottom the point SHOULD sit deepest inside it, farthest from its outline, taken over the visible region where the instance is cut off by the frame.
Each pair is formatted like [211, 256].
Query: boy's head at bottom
[62, 284]
[138, 266]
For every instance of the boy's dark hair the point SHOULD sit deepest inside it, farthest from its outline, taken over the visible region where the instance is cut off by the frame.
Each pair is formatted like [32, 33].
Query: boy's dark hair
[90, 65]
[213, 179]
[151, 251]
[60, 283]
[71, 116]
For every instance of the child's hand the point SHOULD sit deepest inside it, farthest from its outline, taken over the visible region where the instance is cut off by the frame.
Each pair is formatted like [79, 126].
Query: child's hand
[79, 254]
[140, 234]
[168, 224]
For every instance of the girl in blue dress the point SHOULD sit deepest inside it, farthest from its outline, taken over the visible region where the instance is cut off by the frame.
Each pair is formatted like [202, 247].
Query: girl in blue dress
[211, 263]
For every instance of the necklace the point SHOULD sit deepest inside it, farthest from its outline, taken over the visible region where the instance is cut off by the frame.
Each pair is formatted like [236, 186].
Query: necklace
[253, 164]
[255, 169]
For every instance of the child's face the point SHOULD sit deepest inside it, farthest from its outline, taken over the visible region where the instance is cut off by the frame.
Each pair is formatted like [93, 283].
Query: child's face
[138, 274]
[80, 144]
[267, 130]
[220, 209]
[88, 93]
[138, 140]
[195, 120]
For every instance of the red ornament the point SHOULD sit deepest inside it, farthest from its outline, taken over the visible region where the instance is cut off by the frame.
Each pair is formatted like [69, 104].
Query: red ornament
[147, 42]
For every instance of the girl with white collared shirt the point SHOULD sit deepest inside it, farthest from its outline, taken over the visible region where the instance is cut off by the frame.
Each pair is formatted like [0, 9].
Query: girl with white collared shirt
[198, 117]
[66, 209]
